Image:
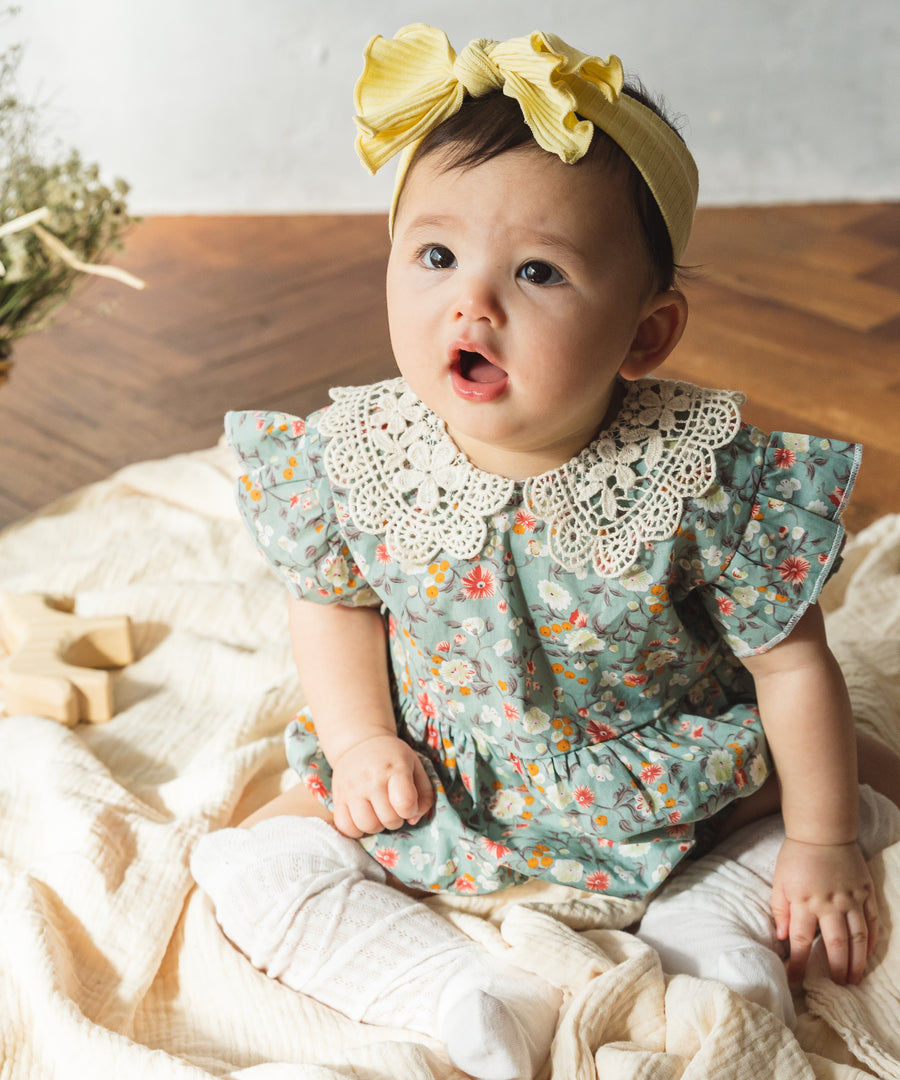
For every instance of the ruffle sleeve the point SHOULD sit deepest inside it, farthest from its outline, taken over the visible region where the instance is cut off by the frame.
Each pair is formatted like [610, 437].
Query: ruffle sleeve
[768, 559]
[284, 500]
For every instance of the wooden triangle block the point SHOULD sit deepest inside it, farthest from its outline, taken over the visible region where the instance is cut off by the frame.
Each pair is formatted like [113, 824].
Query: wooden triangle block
[54, 655]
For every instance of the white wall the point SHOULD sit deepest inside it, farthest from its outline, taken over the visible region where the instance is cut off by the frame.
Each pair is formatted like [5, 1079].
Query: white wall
[245, 105]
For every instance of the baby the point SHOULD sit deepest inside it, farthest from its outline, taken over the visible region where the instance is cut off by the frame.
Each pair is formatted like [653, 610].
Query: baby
[553, 617]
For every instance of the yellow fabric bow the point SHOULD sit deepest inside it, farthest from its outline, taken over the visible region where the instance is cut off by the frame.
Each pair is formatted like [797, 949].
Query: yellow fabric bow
[415, 81]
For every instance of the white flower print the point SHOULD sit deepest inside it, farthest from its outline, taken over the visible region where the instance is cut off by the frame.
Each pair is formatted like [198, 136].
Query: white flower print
[633, 851]
[535, 721]
[506, 803]
[457, 672]
[798, 443]
[555, 597]
[502, 647]
[602, 773]
[419, 858]
[286, 544]
[567, 871]
[818, 507]
[745, 595]
[715, 499]
[713, 556]
[582, 640]
[637, 580]
[559, 795]
[758, 770]
[264, 533]
[473, 626]
[719, 767]
[491, 716]
[788, 486]
[335, 570]
[659, 659]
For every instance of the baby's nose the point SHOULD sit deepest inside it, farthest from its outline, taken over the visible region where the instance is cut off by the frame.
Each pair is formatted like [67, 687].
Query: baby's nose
[477, 298]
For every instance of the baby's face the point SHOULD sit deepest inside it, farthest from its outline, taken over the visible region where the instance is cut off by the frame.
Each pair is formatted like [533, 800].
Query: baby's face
[516, 291]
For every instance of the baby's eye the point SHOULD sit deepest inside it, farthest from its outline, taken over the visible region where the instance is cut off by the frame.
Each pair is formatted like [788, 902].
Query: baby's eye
[438, 258]
[540, 273]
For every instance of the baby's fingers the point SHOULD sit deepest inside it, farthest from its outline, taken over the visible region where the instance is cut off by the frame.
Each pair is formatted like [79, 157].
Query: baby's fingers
[403, 795]
[802, 935]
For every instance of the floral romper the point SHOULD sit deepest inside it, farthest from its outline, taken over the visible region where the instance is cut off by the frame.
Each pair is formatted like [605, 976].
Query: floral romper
[564, 650]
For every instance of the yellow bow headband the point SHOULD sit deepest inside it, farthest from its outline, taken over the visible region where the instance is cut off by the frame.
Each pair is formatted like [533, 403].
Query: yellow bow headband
[415, 81]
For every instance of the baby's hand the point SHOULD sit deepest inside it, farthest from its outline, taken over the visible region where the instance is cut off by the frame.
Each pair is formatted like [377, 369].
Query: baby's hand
[379, 784]
[825, 886]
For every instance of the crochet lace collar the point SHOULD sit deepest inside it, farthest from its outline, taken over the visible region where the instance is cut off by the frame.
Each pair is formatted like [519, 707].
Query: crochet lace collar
[407, 481]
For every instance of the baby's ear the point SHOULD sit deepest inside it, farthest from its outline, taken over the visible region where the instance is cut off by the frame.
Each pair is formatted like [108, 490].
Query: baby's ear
[658, 332]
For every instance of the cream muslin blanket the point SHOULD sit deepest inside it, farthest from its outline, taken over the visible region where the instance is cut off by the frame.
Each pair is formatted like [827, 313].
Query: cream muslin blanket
[112, 965]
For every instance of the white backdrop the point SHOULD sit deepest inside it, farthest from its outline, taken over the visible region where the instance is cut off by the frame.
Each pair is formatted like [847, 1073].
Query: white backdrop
[211, 106]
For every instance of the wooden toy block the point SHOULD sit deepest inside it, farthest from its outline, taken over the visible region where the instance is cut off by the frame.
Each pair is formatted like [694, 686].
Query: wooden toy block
[54, 655]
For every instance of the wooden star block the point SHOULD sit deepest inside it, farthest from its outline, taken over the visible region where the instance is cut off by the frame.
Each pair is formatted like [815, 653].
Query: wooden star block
[54, 657]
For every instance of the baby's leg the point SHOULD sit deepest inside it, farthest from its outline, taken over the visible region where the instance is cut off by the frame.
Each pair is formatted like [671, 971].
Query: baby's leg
[309, 907]
[714, 920]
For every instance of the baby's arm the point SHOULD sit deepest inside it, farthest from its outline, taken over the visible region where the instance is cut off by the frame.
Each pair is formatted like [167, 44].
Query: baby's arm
[341, 655]
[821, 879]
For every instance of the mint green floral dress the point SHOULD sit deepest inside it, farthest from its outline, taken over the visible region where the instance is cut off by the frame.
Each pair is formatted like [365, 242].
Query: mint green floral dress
[565, 649]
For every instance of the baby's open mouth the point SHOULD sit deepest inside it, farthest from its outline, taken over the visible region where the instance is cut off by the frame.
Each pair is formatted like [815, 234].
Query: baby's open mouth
[478, 369]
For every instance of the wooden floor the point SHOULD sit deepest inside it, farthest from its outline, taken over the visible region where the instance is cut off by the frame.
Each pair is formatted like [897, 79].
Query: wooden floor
[798, 307]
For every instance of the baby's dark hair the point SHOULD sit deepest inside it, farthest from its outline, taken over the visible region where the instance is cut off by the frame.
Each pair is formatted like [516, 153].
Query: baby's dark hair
[487, 126]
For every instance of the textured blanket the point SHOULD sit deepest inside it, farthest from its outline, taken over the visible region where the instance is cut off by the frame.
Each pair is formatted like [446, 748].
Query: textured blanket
[111, 964]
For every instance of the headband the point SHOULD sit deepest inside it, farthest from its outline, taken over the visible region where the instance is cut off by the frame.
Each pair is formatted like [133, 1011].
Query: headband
[415, 81]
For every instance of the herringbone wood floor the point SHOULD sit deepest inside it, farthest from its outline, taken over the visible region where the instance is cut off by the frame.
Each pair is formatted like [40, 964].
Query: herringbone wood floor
[799, 307]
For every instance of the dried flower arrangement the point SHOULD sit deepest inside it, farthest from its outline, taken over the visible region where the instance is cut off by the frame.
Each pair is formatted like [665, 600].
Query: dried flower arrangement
[56, 219]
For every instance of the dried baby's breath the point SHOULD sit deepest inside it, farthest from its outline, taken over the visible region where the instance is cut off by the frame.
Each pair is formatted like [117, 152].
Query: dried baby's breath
[81, 212]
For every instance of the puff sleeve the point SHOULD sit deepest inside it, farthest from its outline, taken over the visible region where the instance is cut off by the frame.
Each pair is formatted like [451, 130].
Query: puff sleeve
[284, 499]
[773, 536]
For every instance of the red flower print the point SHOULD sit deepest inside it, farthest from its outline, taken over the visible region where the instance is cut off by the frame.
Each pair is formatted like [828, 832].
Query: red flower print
[479, 584]
[697, 733]
[837, 496]
[314, 785]
[382, 554]
[597, 881]
[784, 459]
[578, 618]
[822, 557]
[297, 428]
[674, 829]
[465, 884]
[651, 773]
[442, 646]
[598, 732]
[740, 778]
[432, 737]
[387, 856]
[459, 638]
[726, 605]
[510, 711]
[583, 796]
[427, 706]
[525, 521]
[493, 848]
[794, 569]
[467, 782]
[502, 607]
[517, 765]
[635, 678]
[260, 423]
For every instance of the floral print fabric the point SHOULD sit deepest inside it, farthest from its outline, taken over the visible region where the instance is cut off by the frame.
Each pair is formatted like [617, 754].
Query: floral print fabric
[575, 727]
